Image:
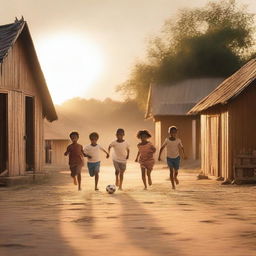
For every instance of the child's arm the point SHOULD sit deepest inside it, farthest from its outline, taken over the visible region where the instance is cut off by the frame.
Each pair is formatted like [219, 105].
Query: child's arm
[161, 150]
[109, 147]
[67, 151]
[107, 154]
[128, 153]
[85, 153]
[153, 148]
[137, 157]
[182, 151]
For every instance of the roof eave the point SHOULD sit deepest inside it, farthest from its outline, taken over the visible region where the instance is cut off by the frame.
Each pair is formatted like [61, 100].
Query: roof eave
[48, 107]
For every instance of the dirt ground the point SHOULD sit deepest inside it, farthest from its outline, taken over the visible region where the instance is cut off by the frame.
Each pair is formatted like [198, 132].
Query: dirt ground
[201, 217]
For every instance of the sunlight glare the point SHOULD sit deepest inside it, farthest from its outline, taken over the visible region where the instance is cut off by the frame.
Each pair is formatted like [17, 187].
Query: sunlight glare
[71, 65]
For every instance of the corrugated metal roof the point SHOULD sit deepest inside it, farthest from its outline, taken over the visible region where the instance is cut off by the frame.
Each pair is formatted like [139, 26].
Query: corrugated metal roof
[178, 98]
[229, 88]
[8, 36]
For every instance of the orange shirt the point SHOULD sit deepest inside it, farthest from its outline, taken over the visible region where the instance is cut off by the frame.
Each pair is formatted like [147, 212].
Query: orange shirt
[75, 152]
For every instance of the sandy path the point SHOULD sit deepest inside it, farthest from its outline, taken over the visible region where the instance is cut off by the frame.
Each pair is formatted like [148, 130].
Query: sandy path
[199, 218]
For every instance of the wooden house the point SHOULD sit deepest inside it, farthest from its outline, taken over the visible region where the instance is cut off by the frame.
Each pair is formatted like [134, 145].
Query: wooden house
[168, 105]
[228, 122]
[55, 143]
[24, 102]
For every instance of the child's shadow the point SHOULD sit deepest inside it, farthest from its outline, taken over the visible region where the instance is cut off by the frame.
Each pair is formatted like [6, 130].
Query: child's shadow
[142, 229]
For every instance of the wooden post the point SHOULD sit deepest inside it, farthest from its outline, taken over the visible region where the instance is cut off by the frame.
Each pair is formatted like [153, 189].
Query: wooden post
[194, 139]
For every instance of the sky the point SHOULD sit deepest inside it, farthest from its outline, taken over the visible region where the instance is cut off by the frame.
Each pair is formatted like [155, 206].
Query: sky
[88, 47]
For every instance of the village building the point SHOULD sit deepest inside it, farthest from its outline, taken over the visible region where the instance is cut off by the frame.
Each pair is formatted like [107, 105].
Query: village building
[55, 143]
[228, 125]
[168, 105]
[24, 102]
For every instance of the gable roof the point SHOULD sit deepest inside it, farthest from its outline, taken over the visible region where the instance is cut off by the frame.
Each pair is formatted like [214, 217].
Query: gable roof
[8, 36]
[178, 98]
[229, 88]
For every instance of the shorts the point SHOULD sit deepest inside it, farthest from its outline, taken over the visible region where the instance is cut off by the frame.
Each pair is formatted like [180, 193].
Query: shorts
[120, 167]
[75, 170]
[149, 164]
[174, 163]
[93, 168]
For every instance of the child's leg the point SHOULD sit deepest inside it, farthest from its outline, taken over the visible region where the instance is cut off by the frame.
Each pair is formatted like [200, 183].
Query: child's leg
[176, 165]
[96, 180]
[79, 181]
[172, 177]
[73, 174]
[117, 178]
[74, 180]
[121, 173]
[149, 177]
[117, 171]
[143, 176]
[176, 176]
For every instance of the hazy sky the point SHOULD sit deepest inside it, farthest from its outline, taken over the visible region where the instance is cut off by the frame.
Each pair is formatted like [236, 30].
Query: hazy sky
[87, 47]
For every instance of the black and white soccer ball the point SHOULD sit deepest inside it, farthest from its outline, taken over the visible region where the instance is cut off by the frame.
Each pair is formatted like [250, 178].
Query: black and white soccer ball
[111, 189]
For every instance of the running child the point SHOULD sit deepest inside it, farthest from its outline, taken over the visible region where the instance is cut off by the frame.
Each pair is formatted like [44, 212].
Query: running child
[174, 147]
[120, 156]
[93, 163]
[145, 156]
[76, 158]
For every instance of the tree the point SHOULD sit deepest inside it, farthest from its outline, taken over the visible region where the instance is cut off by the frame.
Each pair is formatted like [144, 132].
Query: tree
[213, 41]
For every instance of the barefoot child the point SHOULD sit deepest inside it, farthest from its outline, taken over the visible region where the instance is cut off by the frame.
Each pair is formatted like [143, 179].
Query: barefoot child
[120, 156]
[145, 157]
[93, 150]
[76, 158]
[174, 146]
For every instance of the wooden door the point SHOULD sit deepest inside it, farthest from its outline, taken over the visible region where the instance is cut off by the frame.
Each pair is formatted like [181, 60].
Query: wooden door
[3, 132]
[48, 151]
[214, 135]
[30, 133]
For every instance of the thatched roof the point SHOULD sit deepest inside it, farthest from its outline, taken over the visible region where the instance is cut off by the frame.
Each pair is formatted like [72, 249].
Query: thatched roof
[8, 36]
[228, 89]
[178, 98]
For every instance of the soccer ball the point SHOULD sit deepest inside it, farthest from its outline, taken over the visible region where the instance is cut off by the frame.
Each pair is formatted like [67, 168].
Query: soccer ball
[111, 189]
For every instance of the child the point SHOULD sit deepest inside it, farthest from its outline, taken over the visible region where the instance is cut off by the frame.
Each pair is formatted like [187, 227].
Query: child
[93, 150]
[120, 156]
[76, 158]
[174, 146]
[145, 156]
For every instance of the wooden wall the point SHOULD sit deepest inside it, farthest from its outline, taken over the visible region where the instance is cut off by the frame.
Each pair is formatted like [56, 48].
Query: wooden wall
[184, 125]
[215, 144]
[242, 111]
[18, 81]
[58, 147]
[235, 131]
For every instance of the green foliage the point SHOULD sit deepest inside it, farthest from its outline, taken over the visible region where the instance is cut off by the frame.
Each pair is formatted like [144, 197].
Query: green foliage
[213, 41]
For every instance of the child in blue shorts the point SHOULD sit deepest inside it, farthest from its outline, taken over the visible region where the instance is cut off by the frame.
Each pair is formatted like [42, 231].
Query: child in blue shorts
[174, 147]
[93, 152]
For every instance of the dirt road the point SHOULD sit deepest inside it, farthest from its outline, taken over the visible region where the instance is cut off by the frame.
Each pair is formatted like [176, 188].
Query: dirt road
[199, 218]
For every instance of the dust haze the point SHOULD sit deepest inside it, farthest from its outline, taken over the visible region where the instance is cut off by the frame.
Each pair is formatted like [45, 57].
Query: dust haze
[103, 117]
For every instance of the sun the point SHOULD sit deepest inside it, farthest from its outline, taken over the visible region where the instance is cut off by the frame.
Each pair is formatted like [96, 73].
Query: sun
[71, 65]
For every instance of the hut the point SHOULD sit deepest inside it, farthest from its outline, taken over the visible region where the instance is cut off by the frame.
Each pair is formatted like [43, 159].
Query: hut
[228, 122]
[168, 105]
[24, 102]
[55, 143]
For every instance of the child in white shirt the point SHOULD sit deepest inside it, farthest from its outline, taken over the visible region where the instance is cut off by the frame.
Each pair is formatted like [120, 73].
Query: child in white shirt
[93, 152]
[119, 156]
[174, 147]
